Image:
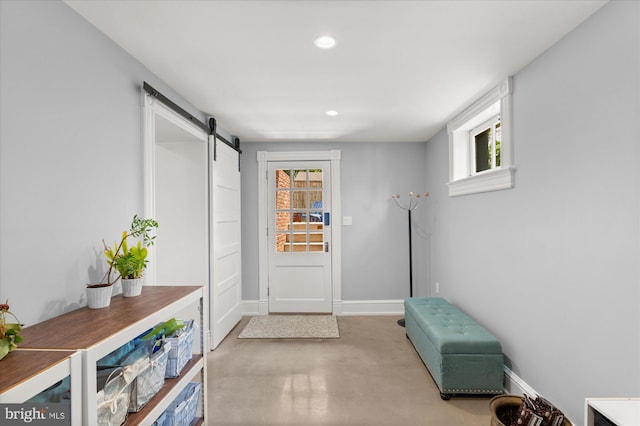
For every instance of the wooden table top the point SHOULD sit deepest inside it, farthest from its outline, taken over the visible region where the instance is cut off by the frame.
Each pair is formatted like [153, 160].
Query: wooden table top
[84, 327]
[20, 365]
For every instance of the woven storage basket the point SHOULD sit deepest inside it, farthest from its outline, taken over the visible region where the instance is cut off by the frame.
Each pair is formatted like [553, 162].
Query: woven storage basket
[160, 420]
[113, 397]
[150, 379]
[183, 410]
[181, 350]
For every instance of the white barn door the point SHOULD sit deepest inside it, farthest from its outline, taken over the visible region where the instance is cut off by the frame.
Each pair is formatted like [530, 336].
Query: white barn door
[225, 288]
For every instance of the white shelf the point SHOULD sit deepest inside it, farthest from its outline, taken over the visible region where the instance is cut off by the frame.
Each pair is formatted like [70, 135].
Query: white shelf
[620, 411]
[34, 371]
[95, 333]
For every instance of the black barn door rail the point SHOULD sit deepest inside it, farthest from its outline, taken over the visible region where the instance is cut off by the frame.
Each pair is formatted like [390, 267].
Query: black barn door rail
[210, 129]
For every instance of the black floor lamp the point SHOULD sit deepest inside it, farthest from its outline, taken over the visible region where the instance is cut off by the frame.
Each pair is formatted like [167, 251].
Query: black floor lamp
[414, 201]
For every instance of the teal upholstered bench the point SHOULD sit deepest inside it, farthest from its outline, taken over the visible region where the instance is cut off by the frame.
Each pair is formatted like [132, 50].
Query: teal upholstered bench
[462, 356]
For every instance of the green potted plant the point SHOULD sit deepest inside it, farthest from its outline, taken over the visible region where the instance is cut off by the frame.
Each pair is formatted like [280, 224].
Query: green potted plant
[9, 331]
[99, 295]
[130, 264]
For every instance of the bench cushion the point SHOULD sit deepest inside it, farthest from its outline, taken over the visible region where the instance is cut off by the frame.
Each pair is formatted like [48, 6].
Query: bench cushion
[449, 329]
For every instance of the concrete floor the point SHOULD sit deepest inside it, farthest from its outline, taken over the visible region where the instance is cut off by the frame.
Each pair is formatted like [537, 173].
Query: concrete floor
[371, 375]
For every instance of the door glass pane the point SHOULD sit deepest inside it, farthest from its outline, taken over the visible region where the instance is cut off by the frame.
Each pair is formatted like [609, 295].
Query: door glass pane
[315, 199]
[282, 178]
[283, 219]
[299, 210]
[299, 200]
[282, 242]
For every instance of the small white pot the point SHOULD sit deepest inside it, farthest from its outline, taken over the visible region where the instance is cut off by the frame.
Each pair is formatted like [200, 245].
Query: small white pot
[99, 297]
[131, 288]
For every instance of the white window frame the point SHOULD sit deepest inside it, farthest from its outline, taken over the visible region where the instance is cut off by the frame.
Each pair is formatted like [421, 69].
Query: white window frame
[462, 177]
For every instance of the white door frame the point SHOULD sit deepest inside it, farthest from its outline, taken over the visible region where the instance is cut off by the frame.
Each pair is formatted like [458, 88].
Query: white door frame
[151, 109]
[263, 202]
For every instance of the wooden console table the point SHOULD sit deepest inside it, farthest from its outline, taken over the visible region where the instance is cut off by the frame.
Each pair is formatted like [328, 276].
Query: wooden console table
[96, 332]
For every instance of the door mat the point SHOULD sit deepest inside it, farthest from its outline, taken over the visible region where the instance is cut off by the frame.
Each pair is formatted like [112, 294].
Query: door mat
[291, 327]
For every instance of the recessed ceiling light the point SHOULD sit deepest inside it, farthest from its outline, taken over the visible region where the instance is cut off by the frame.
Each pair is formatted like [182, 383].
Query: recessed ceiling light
[331, 113]
[325, 42]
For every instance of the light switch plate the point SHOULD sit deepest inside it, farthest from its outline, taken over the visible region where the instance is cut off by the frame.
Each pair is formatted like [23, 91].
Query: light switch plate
[347, 220]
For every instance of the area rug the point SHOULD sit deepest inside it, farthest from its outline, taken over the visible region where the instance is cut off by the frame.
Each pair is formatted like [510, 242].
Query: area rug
[291, 327]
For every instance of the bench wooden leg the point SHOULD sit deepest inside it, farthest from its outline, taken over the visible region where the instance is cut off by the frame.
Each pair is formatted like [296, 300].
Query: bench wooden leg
[445, 396]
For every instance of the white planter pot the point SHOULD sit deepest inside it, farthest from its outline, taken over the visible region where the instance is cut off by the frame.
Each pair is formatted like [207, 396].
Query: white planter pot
[131, 288]
[99, 297]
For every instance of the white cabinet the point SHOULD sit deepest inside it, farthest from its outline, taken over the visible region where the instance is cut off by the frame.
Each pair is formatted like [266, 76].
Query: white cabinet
[95, 333]
[612, 411]
[27, 373]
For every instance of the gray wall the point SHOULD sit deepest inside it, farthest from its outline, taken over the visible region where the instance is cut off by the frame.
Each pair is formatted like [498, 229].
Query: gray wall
[70, 153]
[375, 249]
[552, 266]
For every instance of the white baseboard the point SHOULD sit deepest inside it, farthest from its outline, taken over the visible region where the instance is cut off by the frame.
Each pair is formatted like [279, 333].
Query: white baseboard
[371, 307]
[255, 307]
[514, 385]
[340, 307]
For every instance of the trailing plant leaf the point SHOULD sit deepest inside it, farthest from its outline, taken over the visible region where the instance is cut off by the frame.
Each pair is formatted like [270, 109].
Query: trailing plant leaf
[142, 228]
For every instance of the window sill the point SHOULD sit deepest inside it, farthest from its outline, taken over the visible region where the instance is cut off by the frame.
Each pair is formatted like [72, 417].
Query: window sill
[493, 180]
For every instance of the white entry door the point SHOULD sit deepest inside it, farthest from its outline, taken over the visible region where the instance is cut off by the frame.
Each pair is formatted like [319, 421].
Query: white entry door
[225, 292]
[299, 237]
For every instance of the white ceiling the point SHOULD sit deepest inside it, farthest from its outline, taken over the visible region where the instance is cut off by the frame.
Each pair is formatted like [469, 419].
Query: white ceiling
[399, 71]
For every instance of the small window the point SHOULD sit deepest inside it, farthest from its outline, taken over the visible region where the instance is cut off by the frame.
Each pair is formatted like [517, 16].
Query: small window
[480, 145]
